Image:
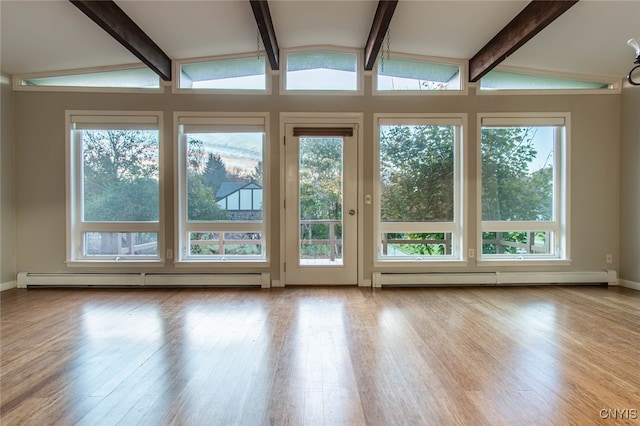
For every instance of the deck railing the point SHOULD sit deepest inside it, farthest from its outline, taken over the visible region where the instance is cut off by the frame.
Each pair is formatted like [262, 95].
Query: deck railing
[527, 247]
[129, 245]
[390, 244]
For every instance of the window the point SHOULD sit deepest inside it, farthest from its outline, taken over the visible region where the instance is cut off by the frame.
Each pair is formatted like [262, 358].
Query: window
[114, 188]
[322, 70]
[223, 189]
[398, 74]
[506, 80]
[97, 79]
[224, 74]
[524, 186]
[419, 187]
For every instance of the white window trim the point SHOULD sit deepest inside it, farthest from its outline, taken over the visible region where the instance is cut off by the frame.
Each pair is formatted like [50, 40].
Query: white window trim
[562, 206]
[457, 227]
[180, 201]
[322, 48]
[464, 84]
[615, 83]
[73, 199]
[175, 87]
[17, 80]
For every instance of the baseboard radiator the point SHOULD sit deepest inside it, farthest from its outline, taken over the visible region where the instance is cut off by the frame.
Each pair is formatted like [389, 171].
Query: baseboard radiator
[382, 279]
[27, 279]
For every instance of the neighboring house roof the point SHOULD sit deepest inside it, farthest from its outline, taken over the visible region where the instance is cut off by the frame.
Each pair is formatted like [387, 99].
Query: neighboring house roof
[228, 188]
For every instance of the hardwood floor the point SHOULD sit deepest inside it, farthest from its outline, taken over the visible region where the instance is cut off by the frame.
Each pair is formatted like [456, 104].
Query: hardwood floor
[321, 356]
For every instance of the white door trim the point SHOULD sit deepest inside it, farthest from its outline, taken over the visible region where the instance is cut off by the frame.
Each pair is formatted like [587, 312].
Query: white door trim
[337, 118]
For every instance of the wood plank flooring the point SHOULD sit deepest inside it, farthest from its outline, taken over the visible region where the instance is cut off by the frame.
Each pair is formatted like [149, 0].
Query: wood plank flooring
[320, 356]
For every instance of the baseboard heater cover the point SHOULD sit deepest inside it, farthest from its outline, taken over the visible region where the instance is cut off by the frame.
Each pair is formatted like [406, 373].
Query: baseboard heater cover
[26, 279]
[381, 279]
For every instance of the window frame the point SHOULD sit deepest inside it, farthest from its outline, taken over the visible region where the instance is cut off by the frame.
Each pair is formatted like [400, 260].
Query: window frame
[615, 83]
[19, 78]
[177, 66]
[322, 48]
[561, 197]
[462, 66]
[184, 227]
[76, 226]
[457, 227]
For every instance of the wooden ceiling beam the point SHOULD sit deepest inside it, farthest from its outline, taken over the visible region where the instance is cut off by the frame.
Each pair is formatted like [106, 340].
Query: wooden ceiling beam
[267, 32]
[120, 26]
[379, 28]
[529, 22]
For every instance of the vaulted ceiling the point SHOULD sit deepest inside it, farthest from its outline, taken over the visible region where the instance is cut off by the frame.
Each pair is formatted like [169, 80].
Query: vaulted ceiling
[589, 38]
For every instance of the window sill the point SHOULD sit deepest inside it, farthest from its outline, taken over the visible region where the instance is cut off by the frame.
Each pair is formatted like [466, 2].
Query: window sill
[113, 263]
[527, 262]
[460, 92]
[220, 263]
[418, 264]
[301, 92]
[233, 92]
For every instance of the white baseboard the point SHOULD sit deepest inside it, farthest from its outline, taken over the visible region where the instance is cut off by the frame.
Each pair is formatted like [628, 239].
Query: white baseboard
[277, 284]
[8, 285]
[365, 283]
[493, 278]
[25, 280]
[629, 284]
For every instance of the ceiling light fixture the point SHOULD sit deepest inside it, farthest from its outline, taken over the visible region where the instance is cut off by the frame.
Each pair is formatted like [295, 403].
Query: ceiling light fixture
[635, 44]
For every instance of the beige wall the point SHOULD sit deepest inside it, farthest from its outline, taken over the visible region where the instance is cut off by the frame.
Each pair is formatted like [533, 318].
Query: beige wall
[7, 259]
[40, 161]
[630, 186]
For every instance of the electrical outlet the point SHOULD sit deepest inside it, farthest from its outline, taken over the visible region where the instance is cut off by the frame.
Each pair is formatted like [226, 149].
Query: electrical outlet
[609, 258]
[169, 253]
[472, 253]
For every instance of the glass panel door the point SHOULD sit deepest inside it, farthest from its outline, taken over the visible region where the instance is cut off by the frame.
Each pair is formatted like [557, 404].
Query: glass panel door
[320, 209]
[320, 196]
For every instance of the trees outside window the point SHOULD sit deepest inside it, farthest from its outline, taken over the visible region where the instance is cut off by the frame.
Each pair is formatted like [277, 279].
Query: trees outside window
[114, 169]
[523, 187]
[320, 195]
[120, 175]
[419, 184]
[221, 188]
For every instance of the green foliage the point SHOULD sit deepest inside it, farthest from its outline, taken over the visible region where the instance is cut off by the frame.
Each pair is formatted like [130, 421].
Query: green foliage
[497, 242]
[416, 173]
[256, 174]
[121, 178]
[417, 182]
[203, 181]
[195, 156]
[208, 243]
[119, 155]
[491, 242]
[429, 243]
[123, 201]
[509, 190]
[320, 178]
[214, 172]
[201, 203]
[427, 248]
[320, 189]
[120, 175]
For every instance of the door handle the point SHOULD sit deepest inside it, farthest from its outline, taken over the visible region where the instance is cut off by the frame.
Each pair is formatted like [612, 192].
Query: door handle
[352, 212]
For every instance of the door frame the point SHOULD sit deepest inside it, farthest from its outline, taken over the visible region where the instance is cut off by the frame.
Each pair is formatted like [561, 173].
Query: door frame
[320, 118]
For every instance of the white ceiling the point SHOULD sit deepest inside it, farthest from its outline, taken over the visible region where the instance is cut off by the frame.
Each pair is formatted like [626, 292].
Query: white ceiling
[590, 38]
